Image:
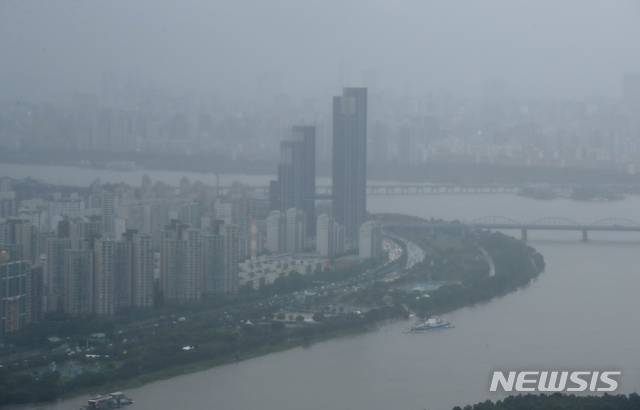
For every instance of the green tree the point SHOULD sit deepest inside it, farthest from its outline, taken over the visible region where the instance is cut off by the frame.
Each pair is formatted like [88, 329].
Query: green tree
[318, 317]
[299, 318]
[281, 316]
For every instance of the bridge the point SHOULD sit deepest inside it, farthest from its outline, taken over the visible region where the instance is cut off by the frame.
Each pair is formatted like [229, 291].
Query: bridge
[546, 224]
[325, 191]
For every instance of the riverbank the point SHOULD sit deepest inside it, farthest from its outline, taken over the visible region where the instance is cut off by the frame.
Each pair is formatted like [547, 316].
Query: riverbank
[200, 366]
[458, 256]
[434, 171]
[182, 370]
[162, 353]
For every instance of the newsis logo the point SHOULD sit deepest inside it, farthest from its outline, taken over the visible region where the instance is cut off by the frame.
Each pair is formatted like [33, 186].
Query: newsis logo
[554, 381]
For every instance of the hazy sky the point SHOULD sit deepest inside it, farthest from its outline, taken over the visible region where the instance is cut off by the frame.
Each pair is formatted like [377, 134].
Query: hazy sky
[559, 48]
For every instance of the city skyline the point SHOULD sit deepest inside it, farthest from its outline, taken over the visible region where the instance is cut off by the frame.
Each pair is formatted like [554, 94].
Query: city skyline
[246, 204]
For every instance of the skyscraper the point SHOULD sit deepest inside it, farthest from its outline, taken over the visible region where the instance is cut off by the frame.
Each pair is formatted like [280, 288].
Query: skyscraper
[350, 159]
[296, 185]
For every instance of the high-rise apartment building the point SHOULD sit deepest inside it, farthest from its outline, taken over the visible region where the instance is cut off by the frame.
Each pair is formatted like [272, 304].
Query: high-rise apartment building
[173, 259]
[136, 217]
[330, 239]
[276, 231]
[54, 272]
[228, 257]
[112, 276]
[142, 286]
[35, 294]
[181, 263]
[20, 238]
[150, 217]
[157, 215]
[189, 213]
[350, 159]
[106, 202]
[296, 240]
[243, 211]
[193, 264]
[9, 208]
[78, 293]
[211, 264]
[249, 243]
[370, 240]
[13, 296]
[86, 229]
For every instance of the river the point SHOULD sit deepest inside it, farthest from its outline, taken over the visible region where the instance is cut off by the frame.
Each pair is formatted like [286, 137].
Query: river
[578, 315]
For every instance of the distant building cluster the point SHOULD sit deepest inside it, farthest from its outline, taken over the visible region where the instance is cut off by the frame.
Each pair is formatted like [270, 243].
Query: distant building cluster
[129, 116]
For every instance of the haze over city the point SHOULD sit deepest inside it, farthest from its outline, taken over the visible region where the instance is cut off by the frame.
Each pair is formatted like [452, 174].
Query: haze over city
[542, 49]
[409, 204]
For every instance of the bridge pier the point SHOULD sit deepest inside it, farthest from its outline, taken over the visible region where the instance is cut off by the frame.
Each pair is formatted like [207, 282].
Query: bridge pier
[524, 235]
[584, 236]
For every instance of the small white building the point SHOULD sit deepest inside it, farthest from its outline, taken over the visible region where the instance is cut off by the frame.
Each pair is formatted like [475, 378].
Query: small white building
[264, 270]
[370, 240]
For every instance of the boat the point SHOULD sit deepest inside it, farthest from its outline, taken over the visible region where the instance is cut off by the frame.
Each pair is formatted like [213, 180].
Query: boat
[115, 400]
[434, 323]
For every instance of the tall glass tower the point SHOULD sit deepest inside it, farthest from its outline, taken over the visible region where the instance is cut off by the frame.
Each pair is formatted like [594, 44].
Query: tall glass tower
[296, 184]
[350, 159]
